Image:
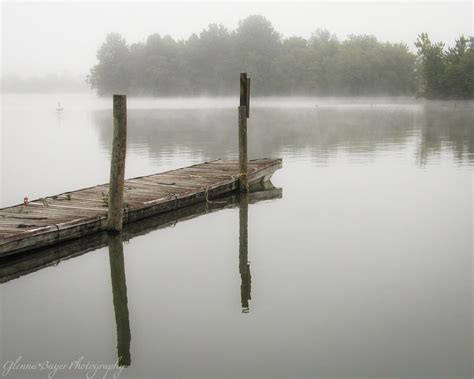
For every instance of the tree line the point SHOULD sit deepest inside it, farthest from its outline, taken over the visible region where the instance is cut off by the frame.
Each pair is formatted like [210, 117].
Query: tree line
[446, 72]
[209, 64]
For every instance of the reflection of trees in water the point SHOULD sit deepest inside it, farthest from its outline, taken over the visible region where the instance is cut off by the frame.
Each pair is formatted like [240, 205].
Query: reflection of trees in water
[17, 265]
[317, 132]
[323, 133]
[447, 126]
[204, 133]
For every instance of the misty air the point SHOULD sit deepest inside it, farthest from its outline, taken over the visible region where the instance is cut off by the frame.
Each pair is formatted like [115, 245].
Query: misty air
[240, 190]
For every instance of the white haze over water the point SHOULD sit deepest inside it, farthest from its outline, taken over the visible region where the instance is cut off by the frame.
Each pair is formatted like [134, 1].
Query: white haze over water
[42, 38]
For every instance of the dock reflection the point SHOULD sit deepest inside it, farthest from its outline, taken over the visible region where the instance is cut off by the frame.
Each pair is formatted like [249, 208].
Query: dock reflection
[20, 265]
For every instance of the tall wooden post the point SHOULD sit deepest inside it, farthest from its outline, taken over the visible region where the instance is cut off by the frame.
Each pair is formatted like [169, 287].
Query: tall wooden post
[243, 159]
[117, 166]
[119, 293]
[244, 113]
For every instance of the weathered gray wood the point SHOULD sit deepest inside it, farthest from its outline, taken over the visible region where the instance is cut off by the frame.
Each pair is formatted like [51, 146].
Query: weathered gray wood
[243, 159]
[48, 221]
[243, 89]
[5, 234]
[117, 166]
[245, 93]
[172, 185]
[248, 98]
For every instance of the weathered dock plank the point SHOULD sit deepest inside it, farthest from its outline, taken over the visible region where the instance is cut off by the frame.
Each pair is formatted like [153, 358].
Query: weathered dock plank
[54, 219]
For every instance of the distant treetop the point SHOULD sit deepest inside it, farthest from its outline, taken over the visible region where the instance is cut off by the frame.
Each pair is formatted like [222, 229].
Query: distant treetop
[210, 62]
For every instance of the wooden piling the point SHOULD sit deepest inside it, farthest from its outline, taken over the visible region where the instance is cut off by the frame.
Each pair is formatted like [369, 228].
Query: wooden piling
[117, 166]
[243, 159]
[244, 266]
[248, 98]
[245, 92]
[243, 116]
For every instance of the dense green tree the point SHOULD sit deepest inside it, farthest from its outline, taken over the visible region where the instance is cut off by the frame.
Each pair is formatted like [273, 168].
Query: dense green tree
[113, 72]
[446, 73]
[459, 74]
[164, 65]
[210, 66]
[433, 66]
[325, 66]
[257, 45]
[292, 67]
[210, 63]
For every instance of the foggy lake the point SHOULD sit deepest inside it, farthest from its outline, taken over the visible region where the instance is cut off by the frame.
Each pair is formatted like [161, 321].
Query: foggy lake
[363, 267]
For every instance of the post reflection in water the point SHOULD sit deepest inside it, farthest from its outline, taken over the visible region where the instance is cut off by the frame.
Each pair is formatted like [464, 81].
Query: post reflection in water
[16, 266]
[244, 264]
[119, 291]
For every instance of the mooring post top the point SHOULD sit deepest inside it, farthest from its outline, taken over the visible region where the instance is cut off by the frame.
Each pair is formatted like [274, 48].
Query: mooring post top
[245, 92]
[119, 105]
[243, 89]
[119, 99]
[248, 98]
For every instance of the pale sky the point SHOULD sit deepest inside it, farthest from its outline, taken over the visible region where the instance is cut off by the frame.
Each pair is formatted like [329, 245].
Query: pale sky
[53, 37]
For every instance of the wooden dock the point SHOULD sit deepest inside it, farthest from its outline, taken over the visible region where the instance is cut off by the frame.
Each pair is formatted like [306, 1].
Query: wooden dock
[71, 215]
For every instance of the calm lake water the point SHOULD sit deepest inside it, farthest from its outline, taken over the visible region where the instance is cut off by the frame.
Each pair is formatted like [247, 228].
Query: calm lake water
[363, 268]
